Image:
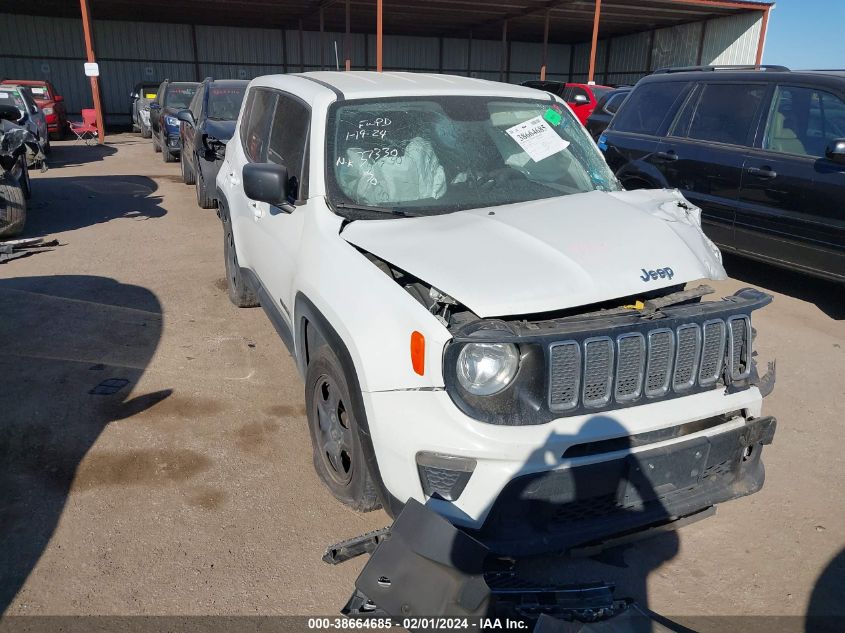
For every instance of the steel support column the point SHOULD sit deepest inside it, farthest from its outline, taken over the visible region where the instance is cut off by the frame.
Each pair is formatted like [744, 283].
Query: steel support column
[379, 35]
[761, 41]
[545, 46]
[95, 84]
[503, 60]
[301, 50]
[322, 39]
[596, 19]
[469, 55]
[347, 44]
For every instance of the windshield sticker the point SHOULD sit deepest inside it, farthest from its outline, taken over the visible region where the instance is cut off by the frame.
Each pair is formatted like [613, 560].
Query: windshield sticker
[553, 117]
[4, 95]
[537, 139]
[38, 91]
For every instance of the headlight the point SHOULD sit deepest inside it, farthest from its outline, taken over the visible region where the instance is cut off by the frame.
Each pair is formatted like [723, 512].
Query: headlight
[487, 368]
[171, 120]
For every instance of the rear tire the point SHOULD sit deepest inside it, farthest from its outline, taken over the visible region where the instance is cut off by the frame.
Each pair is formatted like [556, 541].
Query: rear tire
[12, 206]
[239, 292]
[338, 454]
[204, 199]
[188, 175]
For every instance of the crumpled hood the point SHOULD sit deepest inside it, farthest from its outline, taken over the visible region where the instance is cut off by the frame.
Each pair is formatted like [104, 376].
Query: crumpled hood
[221, 130]
[549, 254]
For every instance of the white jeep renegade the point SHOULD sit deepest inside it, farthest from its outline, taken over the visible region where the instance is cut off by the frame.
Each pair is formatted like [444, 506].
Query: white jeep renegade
[485, 321]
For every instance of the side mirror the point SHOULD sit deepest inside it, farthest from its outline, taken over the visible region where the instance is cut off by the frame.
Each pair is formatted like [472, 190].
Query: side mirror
[9, 113]
[268, 182]
[58, 98]
[835, 151]
[186, 116]
[580, 100]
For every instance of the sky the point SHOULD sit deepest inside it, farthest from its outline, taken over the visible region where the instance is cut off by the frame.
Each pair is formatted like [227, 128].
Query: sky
[806, 34]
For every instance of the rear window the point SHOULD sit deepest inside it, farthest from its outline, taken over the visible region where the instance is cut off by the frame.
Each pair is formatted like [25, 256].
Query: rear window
[647, 107]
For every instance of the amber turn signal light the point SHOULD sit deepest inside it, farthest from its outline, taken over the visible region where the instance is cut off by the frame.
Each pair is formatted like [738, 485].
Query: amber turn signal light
[418, 352]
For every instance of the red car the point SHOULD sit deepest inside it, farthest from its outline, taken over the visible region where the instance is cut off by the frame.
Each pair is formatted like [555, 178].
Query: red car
[50, 101]
[582, 98]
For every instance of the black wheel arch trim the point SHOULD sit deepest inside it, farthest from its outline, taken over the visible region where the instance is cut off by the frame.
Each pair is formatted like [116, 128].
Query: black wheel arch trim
[306, 312]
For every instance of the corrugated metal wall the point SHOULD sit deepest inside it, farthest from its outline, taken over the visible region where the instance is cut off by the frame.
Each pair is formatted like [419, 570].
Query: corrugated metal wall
[52, 48]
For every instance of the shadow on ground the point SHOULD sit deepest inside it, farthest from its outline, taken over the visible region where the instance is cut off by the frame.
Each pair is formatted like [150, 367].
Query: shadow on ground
[826, 611]
[74, 348]
[77, 153]
[64, 204]
[828, 296]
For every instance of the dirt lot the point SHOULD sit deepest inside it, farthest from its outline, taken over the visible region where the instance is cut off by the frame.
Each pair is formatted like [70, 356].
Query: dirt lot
[190, 490]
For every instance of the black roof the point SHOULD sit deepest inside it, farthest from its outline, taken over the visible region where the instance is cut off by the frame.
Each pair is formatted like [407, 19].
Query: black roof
[779, 74]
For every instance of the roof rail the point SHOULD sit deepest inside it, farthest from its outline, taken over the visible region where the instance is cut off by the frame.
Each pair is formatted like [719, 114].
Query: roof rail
[687, 69]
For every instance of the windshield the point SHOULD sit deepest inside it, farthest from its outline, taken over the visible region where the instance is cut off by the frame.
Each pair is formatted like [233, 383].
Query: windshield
[442, 154]
[179, 97]
[13, 97]
[224, 102]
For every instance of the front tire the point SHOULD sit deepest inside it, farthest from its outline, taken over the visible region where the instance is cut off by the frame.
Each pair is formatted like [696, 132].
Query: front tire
[239, 292]
[156, 143]
[12, 206]
[204, 199]
[338, 454]
[188, 175]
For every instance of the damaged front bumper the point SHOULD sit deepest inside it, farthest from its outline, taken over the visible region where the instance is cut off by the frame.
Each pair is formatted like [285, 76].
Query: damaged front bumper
[425, 573]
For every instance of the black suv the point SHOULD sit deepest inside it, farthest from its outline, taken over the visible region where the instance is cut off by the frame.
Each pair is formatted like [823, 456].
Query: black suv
[207, 125]
[760, 150]
[172, 96]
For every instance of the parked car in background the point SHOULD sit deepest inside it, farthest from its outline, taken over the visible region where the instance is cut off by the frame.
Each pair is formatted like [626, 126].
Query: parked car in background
[530, 346]
[762, 152]
[32, 117]
[605, 109]
[142, 95]
[52, 104]
[171, 97]
[206, 126]
[582, 98]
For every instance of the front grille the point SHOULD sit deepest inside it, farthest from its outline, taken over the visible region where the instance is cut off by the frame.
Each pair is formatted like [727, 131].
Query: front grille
[601, 372]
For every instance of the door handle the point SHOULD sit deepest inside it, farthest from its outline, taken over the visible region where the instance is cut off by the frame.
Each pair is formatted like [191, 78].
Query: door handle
[766, 173]
[669, 156]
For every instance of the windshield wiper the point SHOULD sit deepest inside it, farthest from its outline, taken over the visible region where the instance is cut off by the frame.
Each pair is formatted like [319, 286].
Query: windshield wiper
[372, 209]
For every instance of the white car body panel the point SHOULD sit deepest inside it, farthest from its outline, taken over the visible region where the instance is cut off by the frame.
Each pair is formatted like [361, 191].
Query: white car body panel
[544, 255]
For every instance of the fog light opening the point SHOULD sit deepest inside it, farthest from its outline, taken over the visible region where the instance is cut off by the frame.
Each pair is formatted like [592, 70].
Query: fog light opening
[444, 476]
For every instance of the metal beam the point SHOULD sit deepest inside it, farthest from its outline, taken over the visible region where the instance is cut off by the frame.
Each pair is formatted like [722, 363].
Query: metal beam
[596, 20]
[347, 45]
[761, 41]
[503, 59]
[322, 39]
[379, 35]
[301, 50]
[95, 84]
[545, 45]
[196, 54]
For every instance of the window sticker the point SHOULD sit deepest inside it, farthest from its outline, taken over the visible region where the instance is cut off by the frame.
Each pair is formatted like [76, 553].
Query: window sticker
[537, 139]
[4, 95]
[553, 116]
